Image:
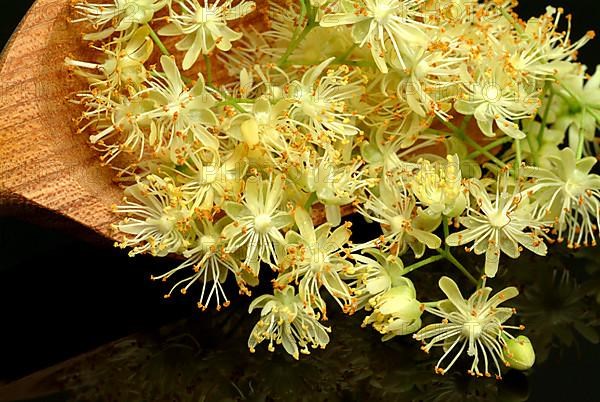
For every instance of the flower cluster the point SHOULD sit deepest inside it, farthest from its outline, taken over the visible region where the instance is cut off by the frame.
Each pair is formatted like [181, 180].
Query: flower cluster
[244, 133]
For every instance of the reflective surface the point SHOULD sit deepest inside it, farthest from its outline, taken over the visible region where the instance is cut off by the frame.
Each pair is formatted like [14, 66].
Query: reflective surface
[82, 296]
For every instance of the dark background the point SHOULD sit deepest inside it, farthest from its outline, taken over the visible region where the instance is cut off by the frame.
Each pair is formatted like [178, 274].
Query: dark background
[61, 296]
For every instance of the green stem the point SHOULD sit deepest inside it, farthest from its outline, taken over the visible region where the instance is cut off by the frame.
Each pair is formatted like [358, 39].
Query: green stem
[581, 141]
[158, 42]
[489, 146]
[532, 150]
[517, 158]
[336, 62]
[448, 256]
[342, 59]
[296, 40]
[450, 125]
[479, 148]
[422, 263]
[446, 233]
[208, 66]
[235, 103]
[540, 135]
[465, 122]
[229, 101]
[310, 201]
[460, 133]
[294, 44]
[512, 21]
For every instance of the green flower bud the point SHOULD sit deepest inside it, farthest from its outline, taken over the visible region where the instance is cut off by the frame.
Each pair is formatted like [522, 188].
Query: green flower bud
[519, 353]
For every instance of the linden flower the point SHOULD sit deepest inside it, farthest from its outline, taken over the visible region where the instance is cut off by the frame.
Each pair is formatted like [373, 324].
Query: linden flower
[332, 180]
[122, 15]
[396, 311]
[206, 181]
[123, 64]
[315, 258]
[377, 22]
[545, 51]
[263, 126]
[180, 111]
[257, 221]
[320, 103]
[475, 324]
[552, 46]
[250, 50]
[336, 185]
[395, 209]
[570, 194]
[428, 80]
[491, 98]
[157, 220]
[284, 320]
[577, 108]
[120, 124]
[204, 27]
[499, 225]
[209, 265]
[374, 275]
[439, 187]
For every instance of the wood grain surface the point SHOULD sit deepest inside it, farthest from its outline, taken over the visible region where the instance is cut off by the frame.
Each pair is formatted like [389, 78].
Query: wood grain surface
[43, 161]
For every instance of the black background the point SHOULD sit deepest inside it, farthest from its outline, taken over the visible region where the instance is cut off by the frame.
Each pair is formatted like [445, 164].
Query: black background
[61, 295]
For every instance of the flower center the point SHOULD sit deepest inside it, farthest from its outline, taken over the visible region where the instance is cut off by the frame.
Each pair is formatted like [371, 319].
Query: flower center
[312, 106]
[206, 15]
[382, 12]
[399, 224]
[206, 242]
[208, 174]
[498, 219]
[262, 223]
[472, 329]
[575, 185]
[491, 93]
[165, 224]
[317, 260]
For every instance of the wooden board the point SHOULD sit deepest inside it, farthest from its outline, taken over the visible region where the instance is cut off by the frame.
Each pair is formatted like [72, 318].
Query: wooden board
[43, 161]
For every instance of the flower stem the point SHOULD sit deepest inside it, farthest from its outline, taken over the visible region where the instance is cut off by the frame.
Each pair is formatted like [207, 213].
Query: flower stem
[342, 59]
[161, 46]
[479, 148]
[353, 63]
[540, 135]
[208, 66]
[310, 201]
[533, 152]
[422, 263]
[489, 146]
[448, 256]
[446, 233]
[517, 158]
[460, 133]
[229, 101]
[235, 103]
[512, 21]
[581, 141]
[310, 24]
